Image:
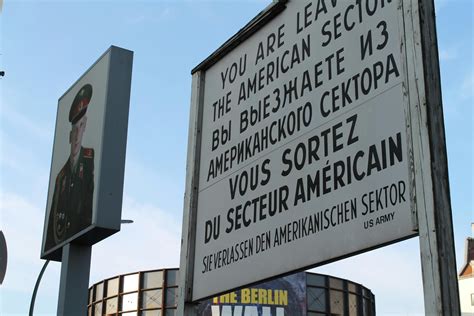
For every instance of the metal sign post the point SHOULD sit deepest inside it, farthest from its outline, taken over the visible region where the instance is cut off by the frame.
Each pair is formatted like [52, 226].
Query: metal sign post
[74, 283]
[438, 259]
[190, 200]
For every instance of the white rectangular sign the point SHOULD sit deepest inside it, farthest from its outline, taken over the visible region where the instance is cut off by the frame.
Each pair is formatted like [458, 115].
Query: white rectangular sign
[306, 146]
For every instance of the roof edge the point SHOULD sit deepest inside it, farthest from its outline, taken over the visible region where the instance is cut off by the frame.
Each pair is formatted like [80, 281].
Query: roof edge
[265, 16]
[464, 269]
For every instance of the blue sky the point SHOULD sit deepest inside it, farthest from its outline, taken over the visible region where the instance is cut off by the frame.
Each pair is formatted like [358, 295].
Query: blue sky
[46, 45]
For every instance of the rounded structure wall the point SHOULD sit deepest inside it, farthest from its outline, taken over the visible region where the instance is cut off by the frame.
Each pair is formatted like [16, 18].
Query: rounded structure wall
[155, 293]
[146, 293]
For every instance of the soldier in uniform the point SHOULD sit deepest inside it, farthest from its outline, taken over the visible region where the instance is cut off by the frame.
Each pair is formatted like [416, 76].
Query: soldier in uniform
[71, 206]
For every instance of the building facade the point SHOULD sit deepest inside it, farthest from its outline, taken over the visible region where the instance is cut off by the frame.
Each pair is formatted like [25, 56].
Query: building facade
[155, 293]
[466, 279]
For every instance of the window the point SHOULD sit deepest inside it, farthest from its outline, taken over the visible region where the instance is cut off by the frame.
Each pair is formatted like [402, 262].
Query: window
[111, 305]
[130, 282]
[316, 299]
[172, 277]
[352, 287]
[171, 296]
[316, 280]
[352, 305]
[170, 312]
[98, 309]
[336, 299]
[152, 279]
[335, 284]
[152, 298]
[91, 295]
[112, 287]
[129, 302]
[99, 290]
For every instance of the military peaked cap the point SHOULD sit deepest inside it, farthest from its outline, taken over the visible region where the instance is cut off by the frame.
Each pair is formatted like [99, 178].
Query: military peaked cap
[80, 103]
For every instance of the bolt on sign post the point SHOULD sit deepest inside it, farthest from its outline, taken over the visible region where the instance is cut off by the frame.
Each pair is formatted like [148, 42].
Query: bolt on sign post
[84, 202]
[316, 133]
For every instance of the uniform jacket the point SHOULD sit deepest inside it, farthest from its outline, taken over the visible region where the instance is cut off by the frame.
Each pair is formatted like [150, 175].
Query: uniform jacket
[71, 206]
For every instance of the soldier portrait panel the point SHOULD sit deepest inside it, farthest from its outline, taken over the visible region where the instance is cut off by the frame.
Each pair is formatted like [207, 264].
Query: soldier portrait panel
[72, 201]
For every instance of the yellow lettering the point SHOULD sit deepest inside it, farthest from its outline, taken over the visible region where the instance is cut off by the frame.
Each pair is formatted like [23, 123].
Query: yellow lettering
[270, 297]
[283, 297]
[225, 298]
[254, 294]
[262, 296]
[245, 296]
[233, 297]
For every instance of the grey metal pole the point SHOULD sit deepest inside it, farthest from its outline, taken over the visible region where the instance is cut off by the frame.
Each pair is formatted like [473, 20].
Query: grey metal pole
[185, 308]
[74, 283]
[35, 290]
[436, 227]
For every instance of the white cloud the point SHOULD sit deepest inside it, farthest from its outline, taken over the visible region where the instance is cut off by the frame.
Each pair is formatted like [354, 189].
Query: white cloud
[468, 85]
[447, 54]
[8, 157]
[439, 5]
[24, 168]
[24, 144]
[151, 242]
[22, 158]
[22, 223]
[147, 16]
[136, 19]
[166, 13]
[25, 124]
